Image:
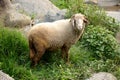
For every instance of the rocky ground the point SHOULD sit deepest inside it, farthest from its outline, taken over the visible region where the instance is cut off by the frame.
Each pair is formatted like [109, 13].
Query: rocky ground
[4, 76]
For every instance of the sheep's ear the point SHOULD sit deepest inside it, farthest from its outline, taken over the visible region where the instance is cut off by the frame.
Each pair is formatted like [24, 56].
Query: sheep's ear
[73, 20]
[86, 20]
[32, 23]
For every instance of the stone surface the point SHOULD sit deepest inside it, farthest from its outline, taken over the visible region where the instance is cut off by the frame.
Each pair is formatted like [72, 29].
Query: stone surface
[15, 19]
[112, 8]
[102, 76]
[93, 2]
[114, 14]
[2, 16]
[4, 76]
[5, 4]
[107, 2]
[42, 10]
[118, 37]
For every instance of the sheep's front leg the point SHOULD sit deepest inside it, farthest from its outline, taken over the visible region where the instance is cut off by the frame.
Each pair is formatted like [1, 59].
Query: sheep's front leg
[65, 53]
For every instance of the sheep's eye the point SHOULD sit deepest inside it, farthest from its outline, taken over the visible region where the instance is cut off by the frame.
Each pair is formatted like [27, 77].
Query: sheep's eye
[75, 22]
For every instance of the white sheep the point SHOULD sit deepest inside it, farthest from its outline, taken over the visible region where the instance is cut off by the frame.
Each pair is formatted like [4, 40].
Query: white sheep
[50, 36]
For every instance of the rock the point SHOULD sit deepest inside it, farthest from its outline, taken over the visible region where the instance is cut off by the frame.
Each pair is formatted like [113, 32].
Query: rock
[43, 10]
[10, 17]
[92, 2]
[15, 19]
[114, 14]
[118, 4]
[108, 2]
[50, 17]
[102, 76]
[2, 16]
[5, 4]
[25, 30]
[4, 76]
[118, 37]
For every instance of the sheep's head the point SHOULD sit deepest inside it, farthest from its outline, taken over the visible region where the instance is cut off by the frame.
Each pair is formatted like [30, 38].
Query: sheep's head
[78, 21]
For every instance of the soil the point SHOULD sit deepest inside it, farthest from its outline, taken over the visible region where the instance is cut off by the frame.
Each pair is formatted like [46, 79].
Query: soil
[112, 8]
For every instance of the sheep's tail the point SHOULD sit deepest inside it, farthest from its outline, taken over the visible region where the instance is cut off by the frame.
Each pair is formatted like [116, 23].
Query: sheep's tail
[33, 50]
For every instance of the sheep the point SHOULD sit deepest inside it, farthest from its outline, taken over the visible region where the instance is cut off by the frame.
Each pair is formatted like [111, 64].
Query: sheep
[55, 35]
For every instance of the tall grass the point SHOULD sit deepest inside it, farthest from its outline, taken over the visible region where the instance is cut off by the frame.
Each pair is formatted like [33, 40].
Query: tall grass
[14, 61]
[12, 43]
[14, 54]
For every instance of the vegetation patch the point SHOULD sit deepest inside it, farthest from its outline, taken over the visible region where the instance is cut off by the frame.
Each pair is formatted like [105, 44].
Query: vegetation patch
[101, 42]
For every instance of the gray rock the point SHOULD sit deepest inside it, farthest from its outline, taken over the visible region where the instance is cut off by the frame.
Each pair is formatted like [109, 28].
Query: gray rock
[4, 76]
[107, 2]
[114, 14]
[15, 19]
[25, 30]
[118, 37]
[102, 76]
[93, 2]
[5, 4]
[43, 10]
[50, 17]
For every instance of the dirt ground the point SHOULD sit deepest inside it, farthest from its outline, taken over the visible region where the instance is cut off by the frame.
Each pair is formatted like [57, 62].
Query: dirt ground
[112, 8]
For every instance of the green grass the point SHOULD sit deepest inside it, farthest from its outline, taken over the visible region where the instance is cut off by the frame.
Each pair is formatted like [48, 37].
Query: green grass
[90, 11]
[14, 54]
[14, 61]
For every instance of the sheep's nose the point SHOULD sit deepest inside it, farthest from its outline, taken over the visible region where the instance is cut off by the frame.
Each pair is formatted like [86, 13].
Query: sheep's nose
[80, 26]
[80, 23]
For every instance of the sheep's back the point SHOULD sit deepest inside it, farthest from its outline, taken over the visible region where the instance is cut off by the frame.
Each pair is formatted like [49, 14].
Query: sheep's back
[55, 34]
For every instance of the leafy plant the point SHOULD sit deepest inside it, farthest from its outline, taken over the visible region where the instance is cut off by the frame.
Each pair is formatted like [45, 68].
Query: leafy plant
[101, 42]
[95, 14]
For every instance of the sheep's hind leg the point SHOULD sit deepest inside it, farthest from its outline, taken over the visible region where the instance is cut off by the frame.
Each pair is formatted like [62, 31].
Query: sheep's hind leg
[65, 53]
[40, 51]
[32, 50]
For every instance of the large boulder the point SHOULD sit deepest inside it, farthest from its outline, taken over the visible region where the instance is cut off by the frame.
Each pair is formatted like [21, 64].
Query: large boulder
[43, 10]
[4, 76]
[10, 17]
[2, 16]
[15, 19]
[102, 76]
[114, 14]
[5, 4]
[92, 2]
[108, 2]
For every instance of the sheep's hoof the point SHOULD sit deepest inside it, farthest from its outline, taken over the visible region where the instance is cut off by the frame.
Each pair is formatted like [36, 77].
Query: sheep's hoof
[33, 64]
[68, 63]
